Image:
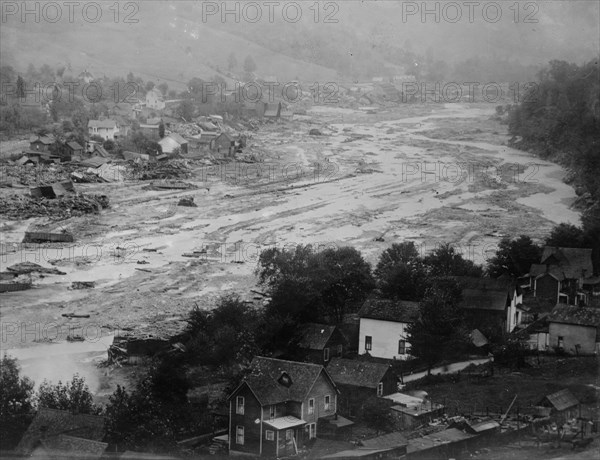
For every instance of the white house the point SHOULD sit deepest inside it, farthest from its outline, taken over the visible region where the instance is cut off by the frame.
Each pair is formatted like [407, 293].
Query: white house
[155, 99]
[382, 331]
[173, 141]
[106, 129]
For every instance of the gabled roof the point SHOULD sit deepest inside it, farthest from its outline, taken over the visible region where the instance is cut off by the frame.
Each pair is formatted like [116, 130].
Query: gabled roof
[314, 336]
[582, 316]
[539, 270]
[178, 138]
[572, 261]
[64, 446]
[495, 284]
[46, 140]
[401, 311]
[107, 124]
[560, 400]
[484, 299]
[52, 422]
[265, 377]
[74, 145]
[357, 373]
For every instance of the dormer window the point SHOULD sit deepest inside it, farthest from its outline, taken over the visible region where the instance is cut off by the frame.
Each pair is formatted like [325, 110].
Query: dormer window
[285, 380]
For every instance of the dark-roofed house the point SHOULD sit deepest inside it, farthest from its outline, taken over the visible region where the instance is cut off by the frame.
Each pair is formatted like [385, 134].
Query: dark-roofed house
[574, 330]
[562, 404]
[318, 343]
[278, 405]
[223, 146]
[41, 143]
[560, 275]
[360, 380]
[58, 434]
[73, 149]
[382, 330]
[492, 305]
[391, 445]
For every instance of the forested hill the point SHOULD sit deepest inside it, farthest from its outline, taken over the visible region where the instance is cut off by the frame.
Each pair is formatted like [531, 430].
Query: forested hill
[560, 121]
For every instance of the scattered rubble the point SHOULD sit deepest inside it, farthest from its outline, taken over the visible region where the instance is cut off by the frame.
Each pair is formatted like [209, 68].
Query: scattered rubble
[83, 284]
[187, 201]
[24, 268]
[24, 207]
[48, 237]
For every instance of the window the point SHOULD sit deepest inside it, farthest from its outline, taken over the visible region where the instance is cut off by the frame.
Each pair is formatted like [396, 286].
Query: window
[560, 341]
[270, 435]
[239, 435]
[380, 389]
[340, 350]
[327, 402]
[239, 405]
[312, 430]
[368, 342]
[311, 406]
[272, 412]
[288, 435]
[325, 354]
[401, 347]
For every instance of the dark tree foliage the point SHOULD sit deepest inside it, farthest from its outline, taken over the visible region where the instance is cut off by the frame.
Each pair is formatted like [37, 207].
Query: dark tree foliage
[74, 396]
[16, 403]
[232, 333]
[309, 285]
[514, 257]
[376, 413]
[400, 272]
[439, 333]
[161, 130]
[558, 119]
[446, 261]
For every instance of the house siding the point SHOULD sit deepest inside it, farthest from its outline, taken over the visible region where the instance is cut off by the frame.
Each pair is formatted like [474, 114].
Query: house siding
[385, 336]
[252, 430]
[320, 389]
[547, 287]
[572, 335]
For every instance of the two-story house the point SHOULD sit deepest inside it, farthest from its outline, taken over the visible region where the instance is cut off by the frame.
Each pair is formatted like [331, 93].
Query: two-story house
[382, 330]
[561, 275]
[491, 303]
[318, 343]
[155, 99]
[277, 407]
[106, 129]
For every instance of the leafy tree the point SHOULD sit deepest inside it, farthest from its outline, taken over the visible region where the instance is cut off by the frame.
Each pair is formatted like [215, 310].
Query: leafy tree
[400, 272]
[439, 332]
[232, 62]
[566, 236]
[74, 396]
[163, 87]
[16, 402]
[161, 130]
[186, 109]
[514, 257]
[445, 261]
[20, 87]
[376, 414]
[308, 285]
[149, 86]
[249, 65]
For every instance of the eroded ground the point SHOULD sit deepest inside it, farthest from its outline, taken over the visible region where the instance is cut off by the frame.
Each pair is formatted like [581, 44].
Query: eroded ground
[429, 174]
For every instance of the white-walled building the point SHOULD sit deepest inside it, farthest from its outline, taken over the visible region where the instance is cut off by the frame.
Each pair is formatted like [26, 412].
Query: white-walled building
[383, 324]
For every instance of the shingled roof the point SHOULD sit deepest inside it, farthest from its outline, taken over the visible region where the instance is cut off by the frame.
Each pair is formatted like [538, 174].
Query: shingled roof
[573, 262]
[582, 316]
[484, 299]
[314, 336]
[494, 284]
[357, 373]
[106, 124]
[401, 311]
[265, 380]
[64, 446]
[560, 400]
[49, 423]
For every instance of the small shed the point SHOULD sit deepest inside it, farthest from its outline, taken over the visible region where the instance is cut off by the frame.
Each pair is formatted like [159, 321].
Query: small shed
[562, 404]
[223, 145]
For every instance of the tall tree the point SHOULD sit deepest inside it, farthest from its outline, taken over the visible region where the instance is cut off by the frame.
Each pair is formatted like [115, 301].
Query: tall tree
[439, 332]
[514, 257]
[164, 88]
[16, 402]
[566, 236]
[161, 130]
[20, 87]
[446, 261]
[400, 272]
[249, 65]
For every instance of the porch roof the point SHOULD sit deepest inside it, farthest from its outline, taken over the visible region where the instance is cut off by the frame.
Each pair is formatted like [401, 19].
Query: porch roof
[283, 423]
